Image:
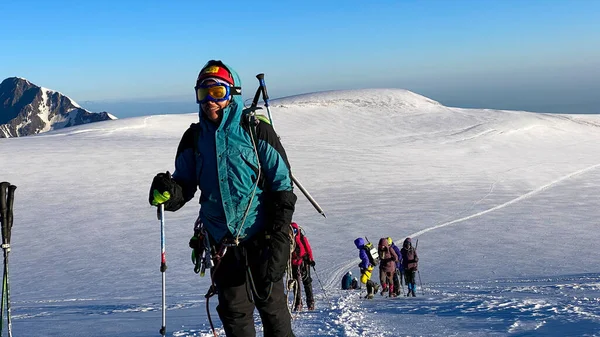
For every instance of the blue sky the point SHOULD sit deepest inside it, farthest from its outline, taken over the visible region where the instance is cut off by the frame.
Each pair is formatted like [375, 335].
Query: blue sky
[534, 55]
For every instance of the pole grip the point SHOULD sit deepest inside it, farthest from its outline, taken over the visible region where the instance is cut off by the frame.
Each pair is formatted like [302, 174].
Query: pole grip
[261, 80]
[10, 201]
[4, 210]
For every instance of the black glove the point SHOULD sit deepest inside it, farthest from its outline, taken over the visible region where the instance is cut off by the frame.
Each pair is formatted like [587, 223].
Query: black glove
[283, 204]
[278, 246]
[312, 263]
[162, 183]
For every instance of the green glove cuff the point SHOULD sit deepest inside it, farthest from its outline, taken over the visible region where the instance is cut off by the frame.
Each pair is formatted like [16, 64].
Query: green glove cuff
[160, 198]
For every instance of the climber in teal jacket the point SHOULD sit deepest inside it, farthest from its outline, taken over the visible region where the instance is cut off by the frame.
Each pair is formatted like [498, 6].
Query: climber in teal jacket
[246, 201]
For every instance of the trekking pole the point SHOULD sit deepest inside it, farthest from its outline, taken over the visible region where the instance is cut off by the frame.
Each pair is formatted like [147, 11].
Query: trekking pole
[322, 288]
[262, 89]
[6, 221]
[418, 272]
[10, 203]
[401, 281]
[163, 269]
[3, 221]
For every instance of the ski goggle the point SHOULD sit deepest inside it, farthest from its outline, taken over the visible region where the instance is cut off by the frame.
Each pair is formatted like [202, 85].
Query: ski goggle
[216, 92]
[213, 92]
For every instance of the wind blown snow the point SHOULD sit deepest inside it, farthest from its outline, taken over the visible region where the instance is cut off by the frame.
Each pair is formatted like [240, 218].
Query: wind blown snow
[504, 205]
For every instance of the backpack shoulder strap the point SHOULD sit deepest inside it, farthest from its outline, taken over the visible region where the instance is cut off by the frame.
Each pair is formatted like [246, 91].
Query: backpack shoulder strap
[249, 123]
[368, 251]
[255, 125]
[302, 237]
[190, 139]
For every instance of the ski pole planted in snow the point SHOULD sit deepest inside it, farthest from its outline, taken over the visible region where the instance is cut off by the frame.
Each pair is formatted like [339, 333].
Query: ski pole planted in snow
[262, 90]
[400, 276]
[418, 272]
[163, 269]
[322, 288]
[421, 283]
[7, 194]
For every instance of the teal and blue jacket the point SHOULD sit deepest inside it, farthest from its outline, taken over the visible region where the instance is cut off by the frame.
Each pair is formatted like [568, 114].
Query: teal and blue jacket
[221, 161]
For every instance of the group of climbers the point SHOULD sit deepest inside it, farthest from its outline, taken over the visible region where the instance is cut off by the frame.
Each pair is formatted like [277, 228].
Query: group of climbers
[395, 264]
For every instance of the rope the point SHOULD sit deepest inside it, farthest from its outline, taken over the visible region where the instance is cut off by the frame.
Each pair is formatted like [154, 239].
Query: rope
[290, 281]
[252, 127]
[212, 290]
[210, 293]
[253, 285]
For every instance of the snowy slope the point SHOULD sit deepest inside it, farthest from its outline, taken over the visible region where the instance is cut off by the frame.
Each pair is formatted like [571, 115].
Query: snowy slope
[504, 205]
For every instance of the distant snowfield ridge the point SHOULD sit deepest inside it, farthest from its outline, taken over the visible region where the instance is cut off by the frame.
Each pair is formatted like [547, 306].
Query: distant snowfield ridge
[387, 98]
[401, 115]
[417, 112]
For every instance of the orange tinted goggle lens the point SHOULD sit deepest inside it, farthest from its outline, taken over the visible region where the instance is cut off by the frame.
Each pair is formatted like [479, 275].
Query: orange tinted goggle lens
[216, 92]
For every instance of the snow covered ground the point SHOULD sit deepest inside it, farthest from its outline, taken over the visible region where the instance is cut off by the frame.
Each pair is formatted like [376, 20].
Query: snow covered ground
[504, 204]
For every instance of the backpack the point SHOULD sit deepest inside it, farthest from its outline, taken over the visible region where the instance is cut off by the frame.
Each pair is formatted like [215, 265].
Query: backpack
[372, 253]
[300, 249]
[412, 259]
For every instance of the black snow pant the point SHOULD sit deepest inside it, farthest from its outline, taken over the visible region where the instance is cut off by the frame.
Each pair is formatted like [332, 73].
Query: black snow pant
[397, 276]
[370, 287]
[301, 273]
[238, 297]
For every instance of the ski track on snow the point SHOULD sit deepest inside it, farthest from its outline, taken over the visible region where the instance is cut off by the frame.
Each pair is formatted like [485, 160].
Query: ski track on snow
[517, 199]
[339, 271]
